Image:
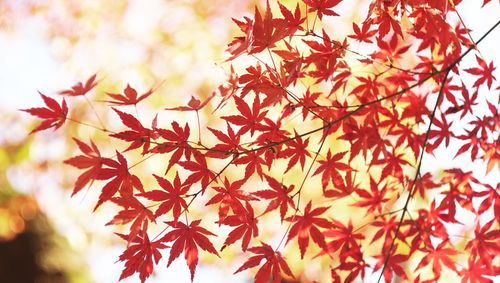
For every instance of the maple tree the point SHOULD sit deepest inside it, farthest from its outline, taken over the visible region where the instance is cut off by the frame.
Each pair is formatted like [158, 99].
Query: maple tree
[313, 117]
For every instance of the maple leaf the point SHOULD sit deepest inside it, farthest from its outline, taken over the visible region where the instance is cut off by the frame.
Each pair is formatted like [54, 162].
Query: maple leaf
[200, 170]
[373, 199]
[54, 115]
[424, 183]
[134, 211]
[475, 272]
[484, 245]
[230, 196]
[275, 263]
[443, 134]
[138, 135]
[79, 88]
[194, 104]
[122, 182]
[438, 256]
[345, 237]
[342, 188]
[291, 22]
[485, 73]
[139, 256]
[249, 119]
[322, 7]
[351, 261]
[325, 56]
[392, 165]
[178, 142]
[306, 226]
[171, 196]
[129, 97]
[386, 22]
[188, 238]
[393, 264]
[246, 227]
[263, 34]
[331, 168]
[253, 163]
[364, 34]
[280, 195]
[297, 150]
[91, 159]
[230, 143]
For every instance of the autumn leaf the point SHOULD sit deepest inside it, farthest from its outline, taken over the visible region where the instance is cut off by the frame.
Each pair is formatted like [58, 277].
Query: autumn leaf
[122, 181]
[246, 227]
[129, 97]
[484, 72]
[178, 142]
[439, 256]
[91, 159]
[230, 196]
[331, 168]
[279, 195]
[307, 225]
[79, 88]
[188, 238]
[194, 104]
[133, 211]
[171, 196]
[138, 135]
[272, 268]
[54, 115]
[322, 7]
[140, 256]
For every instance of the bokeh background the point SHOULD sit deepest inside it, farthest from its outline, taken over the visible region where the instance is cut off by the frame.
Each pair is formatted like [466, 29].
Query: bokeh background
[174, 46]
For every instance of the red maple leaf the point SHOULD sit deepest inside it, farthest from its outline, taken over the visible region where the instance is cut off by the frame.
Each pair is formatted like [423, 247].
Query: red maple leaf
[230, 143]
[200, 170]
[279, 195]
[253, 163]
[139, 256]
[129, 97]
[344, 237]
[373, 199]
[476, 272]
[246, 227]
[264, 32]
[178, 142]
[322, 7]
[484, 246]
[122, 182]
[230, 196]
[249, 119]
[364, 34]
[393, 265]
[138, 135]
[275, 263]
[306, 226]
[80, 88]
[297, 151]
[331, 168]
[194, 104]
[171, 196]
[439, 255]
[188, 238]
[133, 210]
[53, 115]
[485, 73]
[91, 159]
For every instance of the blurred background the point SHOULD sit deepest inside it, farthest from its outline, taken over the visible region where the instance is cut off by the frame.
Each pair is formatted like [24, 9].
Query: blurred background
[174, 46]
